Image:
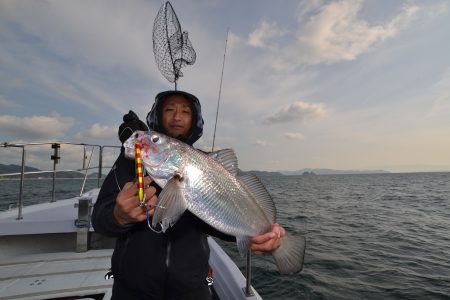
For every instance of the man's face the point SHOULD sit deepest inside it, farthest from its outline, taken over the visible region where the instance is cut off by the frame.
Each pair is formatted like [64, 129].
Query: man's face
[177, 116]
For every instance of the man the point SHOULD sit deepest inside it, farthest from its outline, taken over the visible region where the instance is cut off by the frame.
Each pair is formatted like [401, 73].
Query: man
[148, 264]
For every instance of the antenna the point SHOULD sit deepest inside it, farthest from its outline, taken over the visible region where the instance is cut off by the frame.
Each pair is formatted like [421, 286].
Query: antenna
[220, 89]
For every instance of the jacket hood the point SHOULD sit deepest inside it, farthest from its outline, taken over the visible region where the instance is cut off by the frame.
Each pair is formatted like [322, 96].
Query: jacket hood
[154, 116]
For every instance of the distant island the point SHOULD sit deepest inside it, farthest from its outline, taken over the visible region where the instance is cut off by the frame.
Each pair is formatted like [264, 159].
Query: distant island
[260, 173]
[309, 173]
[313, 172]
[332, 172]
[7, 169]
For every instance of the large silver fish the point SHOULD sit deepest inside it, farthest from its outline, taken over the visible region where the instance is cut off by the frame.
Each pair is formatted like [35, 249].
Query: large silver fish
[208, 186]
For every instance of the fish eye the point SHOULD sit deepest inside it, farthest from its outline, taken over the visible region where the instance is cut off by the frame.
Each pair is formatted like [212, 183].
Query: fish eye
[154, 139]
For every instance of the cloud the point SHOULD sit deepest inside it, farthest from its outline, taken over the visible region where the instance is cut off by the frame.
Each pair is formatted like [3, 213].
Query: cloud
[83, 53]
[234, 41]
[5, 103]
[297, 111]
[440, 94]
[99, 34]
[294, 136]
[36, 127]
[98, 132]
[261, 143]
[13, 83]
[337, 33]
[265, 31]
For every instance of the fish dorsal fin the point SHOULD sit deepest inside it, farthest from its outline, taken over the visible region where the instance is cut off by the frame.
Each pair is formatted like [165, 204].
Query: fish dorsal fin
[171, 204]
[262, 196]
[227, 158]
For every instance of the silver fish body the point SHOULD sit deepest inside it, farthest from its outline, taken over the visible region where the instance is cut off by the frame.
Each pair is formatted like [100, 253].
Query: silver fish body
[208, 186]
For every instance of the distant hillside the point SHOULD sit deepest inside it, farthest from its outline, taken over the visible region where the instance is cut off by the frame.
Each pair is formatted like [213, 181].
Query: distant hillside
[312, 172]
[260, 173]
[6, 169]
[332, 172]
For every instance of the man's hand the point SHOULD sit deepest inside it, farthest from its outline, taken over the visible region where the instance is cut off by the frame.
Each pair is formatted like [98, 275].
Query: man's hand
[128, 209]
[267, 242]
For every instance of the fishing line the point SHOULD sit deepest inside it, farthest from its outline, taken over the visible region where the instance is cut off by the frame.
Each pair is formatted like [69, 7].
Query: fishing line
[85, 175]
[220, 90]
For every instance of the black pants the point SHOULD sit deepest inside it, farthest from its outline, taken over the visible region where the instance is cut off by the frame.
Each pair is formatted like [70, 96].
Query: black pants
[120, 292]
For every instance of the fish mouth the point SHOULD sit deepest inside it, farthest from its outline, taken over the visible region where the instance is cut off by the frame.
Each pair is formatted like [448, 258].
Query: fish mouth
[129, 152]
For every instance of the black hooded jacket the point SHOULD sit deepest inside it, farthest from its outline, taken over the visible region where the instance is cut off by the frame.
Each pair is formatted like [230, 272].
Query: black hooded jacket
[147, 264]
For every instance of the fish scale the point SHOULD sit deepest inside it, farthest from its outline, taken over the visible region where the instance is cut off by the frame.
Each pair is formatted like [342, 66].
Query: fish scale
[224, 190]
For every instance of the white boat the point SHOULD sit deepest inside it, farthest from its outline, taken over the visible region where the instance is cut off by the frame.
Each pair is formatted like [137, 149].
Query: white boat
[50, 251]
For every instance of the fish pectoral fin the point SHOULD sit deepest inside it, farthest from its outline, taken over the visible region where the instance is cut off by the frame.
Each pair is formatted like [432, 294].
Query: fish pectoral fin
[243, 244]
[171, 204]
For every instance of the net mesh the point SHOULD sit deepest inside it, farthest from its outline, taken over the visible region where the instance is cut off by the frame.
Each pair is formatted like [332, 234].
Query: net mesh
[171, 46]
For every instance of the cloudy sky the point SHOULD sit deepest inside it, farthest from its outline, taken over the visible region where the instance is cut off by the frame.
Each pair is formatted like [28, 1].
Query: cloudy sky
[348, 84]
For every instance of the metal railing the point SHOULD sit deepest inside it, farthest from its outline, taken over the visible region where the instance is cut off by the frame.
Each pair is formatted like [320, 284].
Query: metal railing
[55, 146]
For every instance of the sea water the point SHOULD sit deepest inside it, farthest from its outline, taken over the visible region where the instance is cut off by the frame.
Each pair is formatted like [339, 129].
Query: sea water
[378, 236]
[40, 190]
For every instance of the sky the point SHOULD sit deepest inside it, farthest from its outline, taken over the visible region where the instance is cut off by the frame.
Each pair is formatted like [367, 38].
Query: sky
[349, 85]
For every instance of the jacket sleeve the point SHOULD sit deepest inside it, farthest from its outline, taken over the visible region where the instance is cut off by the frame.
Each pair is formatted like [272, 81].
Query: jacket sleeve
[102, 215]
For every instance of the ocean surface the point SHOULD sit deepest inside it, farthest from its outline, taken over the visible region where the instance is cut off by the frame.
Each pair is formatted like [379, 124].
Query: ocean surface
[377, 236]
[40, 190]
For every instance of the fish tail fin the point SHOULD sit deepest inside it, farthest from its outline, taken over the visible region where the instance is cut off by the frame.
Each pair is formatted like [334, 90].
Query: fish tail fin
[290, 255]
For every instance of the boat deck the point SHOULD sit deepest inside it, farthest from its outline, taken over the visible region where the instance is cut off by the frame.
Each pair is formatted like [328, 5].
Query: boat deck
[56, 275]
[38, 258]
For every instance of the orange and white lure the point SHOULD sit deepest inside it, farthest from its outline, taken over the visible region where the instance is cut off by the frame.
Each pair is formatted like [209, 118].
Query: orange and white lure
[139, 173]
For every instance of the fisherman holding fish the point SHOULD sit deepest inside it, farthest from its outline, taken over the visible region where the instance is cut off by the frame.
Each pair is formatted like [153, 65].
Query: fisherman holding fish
[168, 261]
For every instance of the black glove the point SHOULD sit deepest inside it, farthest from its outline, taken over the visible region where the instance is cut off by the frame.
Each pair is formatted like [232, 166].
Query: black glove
[130, 124]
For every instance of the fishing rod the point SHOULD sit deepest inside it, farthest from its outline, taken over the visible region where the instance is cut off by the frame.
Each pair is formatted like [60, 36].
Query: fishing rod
[247, 289]
[220, 90]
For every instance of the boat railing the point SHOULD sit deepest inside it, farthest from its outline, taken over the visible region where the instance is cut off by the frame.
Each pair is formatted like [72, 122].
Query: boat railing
[56, 157]
[84, 204]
